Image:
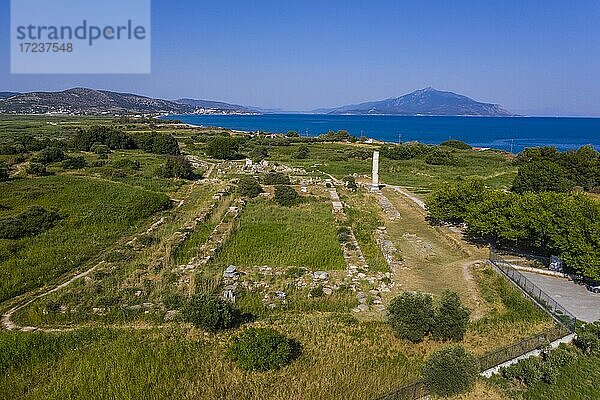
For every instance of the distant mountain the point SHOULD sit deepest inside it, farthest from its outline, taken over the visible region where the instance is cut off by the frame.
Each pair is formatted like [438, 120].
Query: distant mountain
[426, 101]
[8, 94]
[98, 102]
[216, 106]
[88, 101]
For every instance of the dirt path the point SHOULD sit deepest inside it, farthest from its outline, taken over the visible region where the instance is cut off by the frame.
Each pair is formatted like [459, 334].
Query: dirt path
[7, 322]
[435, 259]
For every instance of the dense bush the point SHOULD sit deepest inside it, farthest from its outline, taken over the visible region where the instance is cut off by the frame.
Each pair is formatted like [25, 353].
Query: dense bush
[223, 148]
[4, 172]
[588, 338]
[457, 144]
[157, 143]
[411, 315]
[211, 312]
[50, 155]
[437, 156]
[276, 178]
[115, 139]
[178, 167]
[302, 153]
[29, 223]
[405, 151]
[286, 196]
[451, 318]
[339, 136]
[545, 368]
[127, 163]
[350, 182]
[74, 163]
[35, 168]
[450, 371]
[262, 349]
[111, 137]
[248, 186]
[258, 153]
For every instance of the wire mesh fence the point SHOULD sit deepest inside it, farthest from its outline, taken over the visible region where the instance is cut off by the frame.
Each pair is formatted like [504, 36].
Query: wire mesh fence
[558, 312]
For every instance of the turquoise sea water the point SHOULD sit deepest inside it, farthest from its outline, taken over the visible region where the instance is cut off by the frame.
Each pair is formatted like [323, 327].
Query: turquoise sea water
[500, 133]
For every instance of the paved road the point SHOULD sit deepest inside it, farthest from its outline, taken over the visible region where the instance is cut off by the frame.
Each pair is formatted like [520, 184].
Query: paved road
[576, 299]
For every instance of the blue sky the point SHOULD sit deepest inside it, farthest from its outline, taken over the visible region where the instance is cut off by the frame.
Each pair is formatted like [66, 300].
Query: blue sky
[533, 57]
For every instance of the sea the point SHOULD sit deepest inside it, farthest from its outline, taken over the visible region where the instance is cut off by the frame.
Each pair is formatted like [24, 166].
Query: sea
[506, 133]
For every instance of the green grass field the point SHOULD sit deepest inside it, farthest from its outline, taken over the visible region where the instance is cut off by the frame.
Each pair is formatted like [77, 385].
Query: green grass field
[98, 213]
[135, 352]
[495, 168]
[269, 234]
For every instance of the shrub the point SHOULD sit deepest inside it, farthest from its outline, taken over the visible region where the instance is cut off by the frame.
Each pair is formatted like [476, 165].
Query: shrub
[527, 371]
[36, 168]
[211, 312]
[588, 338]
[451, 318]
[439, 157]
[178, 167]
[532, 370]
[4, 172]
[99, 148]
[249, 187]
[350, 182]
[29, 223]
[276, 178]
[411, 315]
[302, 153]
[74, 163]
[223, 148]
[262, 349]
[317, 291]
[127, 163]
[49, 155]
[286, 196]
[450, 371]
[457, 144]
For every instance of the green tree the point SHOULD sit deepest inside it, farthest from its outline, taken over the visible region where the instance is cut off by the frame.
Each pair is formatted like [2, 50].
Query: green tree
[541, 176]
[248, 186]
[223, 148]
[74, 163]
[286, 196]
[452, 202]
[411, 315]
[178, 167]
[451, 318]
[302, 153]
[450, 371]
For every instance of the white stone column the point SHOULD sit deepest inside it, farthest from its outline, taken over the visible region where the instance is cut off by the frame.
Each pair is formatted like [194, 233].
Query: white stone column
[375, 184]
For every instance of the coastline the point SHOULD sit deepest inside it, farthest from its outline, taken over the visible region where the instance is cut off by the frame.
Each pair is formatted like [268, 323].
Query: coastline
[510, 134]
